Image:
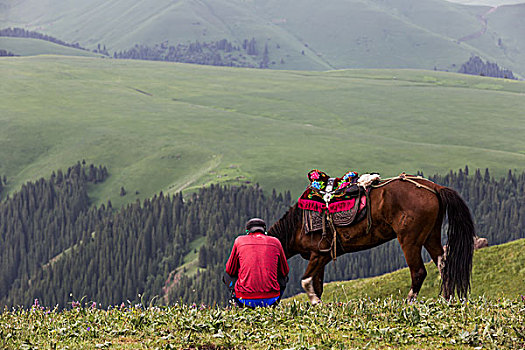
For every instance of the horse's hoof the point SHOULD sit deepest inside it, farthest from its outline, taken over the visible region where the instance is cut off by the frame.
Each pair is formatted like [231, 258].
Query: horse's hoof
[316, 301]
[412, 297]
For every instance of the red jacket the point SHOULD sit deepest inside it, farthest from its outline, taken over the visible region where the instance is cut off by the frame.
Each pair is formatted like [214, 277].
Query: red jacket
[257, 259]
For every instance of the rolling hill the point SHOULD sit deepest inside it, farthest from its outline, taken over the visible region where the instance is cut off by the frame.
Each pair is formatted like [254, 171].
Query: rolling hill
[497, 272]
[32, 47]
[303, 35]
[172, 127]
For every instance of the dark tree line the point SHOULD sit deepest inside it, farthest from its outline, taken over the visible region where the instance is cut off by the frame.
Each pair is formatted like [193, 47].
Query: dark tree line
[5, 53]
[497, 205]
[57, 247]
[476, 66]
[22, 33]
[3, 182]
[215, 53]
[38, 223]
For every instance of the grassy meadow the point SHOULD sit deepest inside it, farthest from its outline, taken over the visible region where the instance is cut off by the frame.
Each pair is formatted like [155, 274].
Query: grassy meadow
[172, 127]
[348, 319]
[364, 323]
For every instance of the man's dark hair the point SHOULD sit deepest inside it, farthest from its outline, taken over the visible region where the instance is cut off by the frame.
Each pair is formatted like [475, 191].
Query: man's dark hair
[255, 224]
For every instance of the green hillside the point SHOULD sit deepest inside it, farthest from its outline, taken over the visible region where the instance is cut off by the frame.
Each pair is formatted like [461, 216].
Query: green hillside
[503, 31]
[301, 34]
[32, 47]
[497, 272]
[164, 126]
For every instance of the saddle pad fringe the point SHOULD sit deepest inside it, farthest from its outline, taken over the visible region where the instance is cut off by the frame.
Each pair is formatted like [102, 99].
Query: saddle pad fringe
[311, 205]
[313, 220]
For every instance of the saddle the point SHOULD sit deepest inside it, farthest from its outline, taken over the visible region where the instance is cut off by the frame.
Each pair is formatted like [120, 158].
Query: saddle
[342, 200]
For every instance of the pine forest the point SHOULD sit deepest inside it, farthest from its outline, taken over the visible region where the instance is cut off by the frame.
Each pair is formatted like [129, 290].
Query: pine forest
[59, 248]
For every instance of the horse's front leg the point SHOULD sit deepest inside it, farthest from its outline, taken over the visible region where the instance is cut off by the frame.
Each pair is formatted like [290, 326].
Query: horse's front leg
[313, 278]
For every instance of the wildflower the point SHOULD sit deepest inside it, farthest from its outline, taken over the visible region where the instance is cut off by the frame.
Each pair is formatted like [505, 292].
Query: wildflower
[75, 304]
[94, 305]
[36, 305]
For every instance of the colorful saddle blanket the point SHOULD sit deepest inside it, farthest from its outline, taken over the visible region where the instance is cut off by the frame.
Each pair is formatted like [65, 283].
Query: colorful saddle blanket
[341, 197]
[332, 194]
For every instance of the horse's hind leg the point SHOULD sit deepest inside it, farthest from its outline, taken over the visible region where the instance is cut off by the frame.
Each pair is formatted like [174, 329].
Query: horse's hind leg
[434, 247]
[418, 273]
[312, 281]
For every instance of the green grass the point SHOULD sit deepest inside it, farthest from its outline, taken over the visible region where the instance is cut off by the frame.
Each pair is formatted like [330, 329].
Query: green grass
[190, 264]
[171, 127]
[498, 272]
[376, 324]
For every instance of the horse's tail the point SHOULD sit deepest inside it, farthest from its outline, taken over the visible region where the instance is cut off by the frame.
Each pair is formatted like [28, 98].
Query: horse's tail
[457, 266]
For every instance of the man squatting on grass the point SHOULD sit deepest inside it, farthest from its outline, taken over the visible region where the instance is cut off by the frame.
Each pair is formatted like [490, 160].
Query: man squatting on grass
[259, 264]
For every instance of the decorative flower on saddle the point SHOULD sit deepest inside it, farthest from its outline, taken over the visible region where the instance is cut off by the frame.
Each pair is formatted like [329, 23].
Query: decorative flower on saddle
[319, 180]
[324, 191]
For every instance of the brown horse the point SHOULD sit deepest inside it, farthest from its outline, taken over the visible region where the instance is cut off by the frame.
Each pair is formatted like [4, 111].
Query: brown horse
[411, 209]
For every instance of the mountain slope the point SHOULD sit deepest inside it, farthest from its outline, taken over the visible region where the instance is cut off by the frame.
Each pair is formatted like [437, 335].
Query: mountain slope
[503, 24]
[497, 272]
[305, 34]
[32, 47]
[166, 126]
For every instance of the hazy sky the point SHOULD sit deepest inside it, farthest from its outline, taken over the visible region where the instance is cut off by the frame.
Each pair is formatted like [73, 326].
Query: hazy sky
[488, 2]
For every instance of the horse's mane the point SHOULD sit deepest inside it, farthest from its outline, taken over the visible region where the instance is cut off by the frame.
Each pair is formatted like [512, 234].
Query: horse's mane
[285, 227]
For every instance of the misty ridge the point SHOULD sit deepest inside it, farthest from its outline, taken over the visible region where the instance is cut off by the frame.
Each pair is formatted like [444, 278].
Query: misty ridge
[299, 35]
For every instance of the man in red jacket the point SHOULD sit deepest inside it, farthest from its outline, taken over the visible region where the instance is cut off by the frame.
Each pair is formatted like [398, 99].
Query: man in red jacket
[259, 263]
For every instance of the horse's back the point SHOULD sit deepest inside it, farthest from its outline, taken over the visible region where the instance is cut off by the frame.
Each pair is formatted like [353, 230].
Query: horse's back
[409, 209]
